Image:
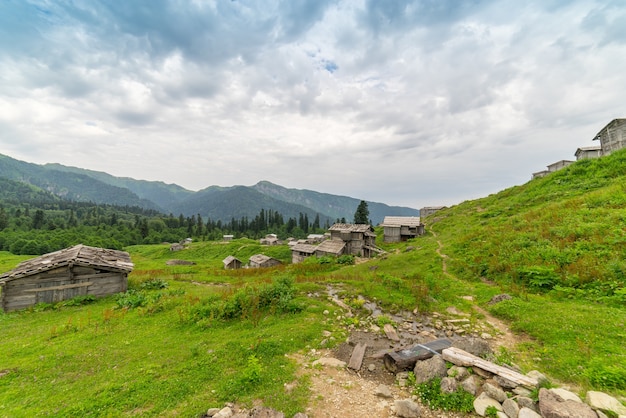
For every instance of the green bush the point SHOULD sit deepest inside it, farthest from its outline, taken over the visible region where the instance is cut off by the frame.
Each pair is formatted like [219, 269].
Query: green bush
[430, 394]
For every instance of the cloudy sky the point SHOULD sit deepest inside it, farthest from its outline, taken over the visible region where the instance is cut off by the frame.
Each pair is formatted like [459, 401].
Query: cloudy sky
[412, 103]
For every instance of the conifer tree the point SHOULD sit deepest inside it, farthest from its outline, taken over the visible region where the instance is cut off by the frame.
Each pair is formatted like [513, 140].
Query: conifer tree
[362, 214]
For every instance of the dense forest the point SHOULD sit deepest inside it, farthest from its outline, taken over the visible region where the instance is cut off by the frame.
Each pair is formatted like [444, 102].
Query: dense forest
[44, 224]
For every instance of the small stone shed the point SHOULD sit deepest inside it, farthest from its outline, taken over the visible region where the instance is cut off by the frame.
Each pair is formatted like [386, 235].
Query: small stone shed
[402, 228]
[232, 262]
[262, 260]
[65, 274]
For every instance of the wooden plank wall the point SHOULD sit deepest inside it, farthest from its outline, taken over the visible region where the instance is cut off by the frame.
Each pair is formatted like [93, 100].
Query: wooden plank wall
[60, 284]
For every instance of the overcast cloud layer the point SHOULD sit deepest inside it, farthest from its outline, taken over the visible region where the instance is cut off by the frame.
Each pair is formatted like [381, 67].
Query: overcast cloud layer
[412, 103]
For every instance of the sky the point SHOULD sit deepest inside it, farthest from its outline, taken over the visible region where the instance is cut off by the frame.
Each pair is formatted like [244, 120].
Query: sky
[408, 103]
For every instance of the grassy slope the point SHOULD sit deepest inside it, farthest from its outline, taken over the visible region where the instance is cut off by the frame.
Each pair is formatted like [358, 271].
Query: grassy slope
[556, 244]
[559, 245]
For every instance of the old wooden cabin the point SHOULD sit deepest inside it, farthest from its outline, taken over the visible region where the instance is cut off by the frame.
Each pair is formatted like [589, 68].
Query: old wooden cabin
[359, 239]
[262, 260]
[65, 274]
[231, 263]
[613, 136]
[402, 228]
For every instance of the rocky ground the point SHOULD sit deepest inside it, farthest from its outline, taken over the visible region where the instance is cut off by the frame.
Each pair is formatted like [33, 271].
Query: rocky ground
[370, 392]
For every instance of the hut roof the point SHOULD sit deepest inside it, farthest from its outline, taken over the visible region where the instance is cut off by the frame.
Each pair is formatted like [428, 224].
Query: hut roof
[80, 255]
[333, 246]
[612, 124]
[259, 258]
[401, 221]
[229, 260]
[304, 248]
[351, 227]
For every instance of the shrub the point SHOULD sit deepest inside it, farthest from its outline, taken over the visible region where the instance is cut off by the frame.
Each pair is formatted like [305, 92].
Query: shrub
[430, 394]
[345, 259]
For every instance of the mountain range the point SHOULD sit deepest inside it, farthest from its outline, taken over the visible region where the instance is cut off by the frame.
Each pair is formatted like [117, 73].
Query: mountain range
[214, 202]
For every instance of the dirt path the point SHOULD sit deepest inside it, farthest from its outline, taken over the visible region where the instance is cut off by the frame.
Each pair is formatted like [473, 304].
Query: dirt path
[338, 392]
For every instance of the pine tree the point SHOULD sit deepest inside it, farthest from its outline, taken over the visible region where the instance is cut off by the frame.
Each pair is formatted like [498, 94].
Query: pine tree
[362, 214]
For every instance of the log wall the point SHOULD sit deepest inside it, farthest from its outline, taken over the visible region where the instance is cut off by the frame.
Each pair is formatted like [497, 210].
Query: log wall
[60, 284]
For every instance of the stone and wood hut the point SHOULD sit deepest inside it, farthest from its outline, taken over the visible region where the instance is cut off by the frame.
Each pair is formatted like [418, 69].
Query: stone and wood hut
[331, 247]
[613, 136]
[232, 262]
[300, 251]
[61, 275]
[583, 153]
[360, 239]
[262, 260]
[402, 228]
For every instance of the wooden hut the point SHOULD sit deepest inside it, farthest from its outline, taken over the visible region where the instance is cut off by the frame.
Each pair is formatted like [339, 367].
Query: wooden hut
[359, 239]
[402, 228]
[262, 260]
[331, 247]
[613, 136]
[232, 262]
[64, 274]
[583, 153]
[300, 251]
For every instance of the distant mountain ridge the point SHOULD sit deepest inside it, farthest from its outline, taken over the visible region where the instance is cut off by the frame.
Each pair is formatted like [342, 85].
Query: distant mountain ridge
[214, 202]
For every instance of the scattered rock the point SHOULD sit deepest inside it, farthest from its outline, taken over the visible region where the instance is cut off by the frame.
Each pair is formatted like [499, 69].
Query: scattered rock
[449, 385]
[526, 402]
[483, 402]
[212, 411]
[565, 394]
[263, 412]
[471, 384]
[225, 412]
[540, 377]
[458, 372]
[406, 408]
[604, 402]
[329, 361]
[383, 391]
[494, 392]
[511, 408]
[473, 345]
[552, 405]
[426, 370]
[528, 413]
[499, 298]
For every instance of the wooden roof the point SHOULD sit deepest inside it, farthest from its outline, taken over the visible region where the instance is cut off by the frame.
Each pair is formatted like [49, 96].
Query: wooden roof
[229, 260]
[401, 221]
[260, 258]
[79, 255]
[351, 227]
[333, 246]
[612, 124]
[304, 248]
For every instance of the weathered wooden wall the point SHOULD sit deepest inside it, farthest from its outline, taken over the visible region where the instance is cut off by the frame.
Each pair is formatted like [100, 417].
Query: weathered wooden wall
[60, 284]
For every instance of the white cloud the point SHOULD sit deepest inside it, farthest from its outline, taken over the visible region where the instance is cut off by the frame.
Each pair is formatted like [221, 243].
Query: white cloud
[413, 103]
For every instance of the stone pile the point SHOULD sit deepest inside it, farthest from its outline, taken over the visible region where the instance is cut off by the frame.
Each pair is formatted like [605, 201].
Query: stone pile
[509, 400]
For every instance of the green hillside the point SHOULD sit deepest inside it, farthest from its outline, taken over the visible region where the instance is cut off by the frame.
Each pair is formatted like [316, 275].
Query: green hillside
[189, 337]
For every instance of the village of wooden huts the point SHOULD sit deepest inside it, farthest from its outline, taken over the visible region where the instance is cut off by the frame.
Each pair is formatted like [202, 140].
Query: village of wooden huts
[65, 274]
[401, 228]
[612, 138]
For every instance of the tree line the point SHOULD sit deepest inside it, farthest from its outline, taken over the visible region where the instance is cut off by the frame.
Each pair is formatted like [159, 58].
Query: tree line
[38, 229]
